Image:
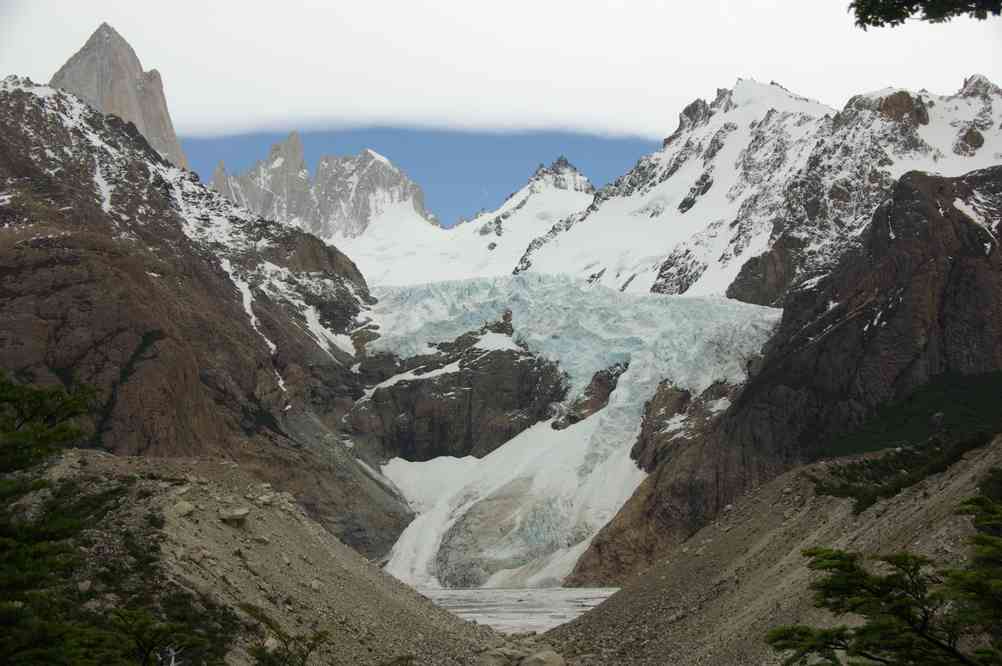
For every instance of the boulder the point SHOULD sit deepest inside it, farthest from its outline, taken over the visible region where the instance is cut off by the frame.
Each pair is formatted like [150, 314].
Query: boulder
[544, 658]
[184, 508]
[234, 516]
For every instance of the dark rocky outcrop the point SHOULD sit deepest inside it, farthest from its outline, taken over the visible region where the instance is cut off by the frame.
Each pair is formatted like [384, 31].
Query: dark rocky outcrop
[903, 108]
[463, 400]
[920, 297]
[595, 396]
[765, 279]
[969, 141]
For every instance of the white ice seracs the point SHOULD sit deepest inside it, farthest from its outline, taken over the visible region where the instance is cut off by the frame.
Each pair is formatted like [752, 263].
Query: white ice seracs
[561, 486]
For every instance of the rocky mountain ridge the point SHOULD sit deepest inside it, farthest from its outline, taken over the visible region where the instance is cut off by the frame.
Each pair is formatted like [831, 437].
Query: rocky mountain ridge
[754, 192]
[390, 238]
[760, 188]
[346, 195]
[107, 75]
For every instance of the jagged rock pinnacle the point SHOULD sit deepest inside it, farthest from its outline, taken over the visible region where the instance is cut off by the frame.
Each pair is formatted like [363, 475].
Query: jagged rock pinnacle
[107, 74]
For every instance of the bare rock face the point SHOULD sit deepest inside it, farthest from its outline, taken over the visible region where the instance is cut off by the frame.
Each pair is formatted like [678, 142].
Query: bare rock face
[595, 396]
[107, 75]
[921, 296]
[279, 190]
[674, 429]
[467, 399]
[346, 195]
[902, 107]
[208, 332]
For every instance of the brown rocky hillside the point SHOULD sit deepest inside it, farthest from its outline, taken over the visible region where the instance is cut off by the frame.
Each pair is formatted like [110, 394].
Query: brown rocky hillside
[712, 599]
[920, 298]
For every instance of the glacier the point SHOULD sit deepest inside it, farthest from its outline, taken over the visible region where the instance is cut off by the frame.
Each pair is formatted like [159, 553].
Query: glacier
[522, 515]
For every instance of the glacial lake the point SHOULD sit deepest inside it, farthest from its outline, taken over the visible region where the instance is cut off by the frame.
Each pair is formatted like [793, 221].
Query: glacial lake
[519, 610]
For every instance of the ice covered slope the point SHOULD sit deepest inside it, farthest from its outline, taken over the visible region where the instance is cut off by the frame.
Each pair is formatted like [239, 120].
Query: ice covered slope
[760, 187]
[522, 515]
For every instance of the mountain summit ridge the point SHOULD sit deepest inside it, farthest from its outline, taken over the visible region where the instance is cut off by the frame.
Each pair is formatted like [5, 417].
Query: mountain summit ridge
[341, 200]
[107, 74]
[762, 188]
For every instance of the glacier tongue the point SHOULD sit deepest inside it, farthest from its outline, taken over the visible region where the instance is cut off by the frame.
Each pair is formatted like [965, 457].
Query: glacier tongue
[521, 516]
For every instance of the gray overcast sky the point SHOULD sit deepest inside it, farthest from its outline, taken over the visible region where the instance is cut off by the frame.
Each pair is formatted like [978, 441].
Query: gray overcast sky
[606, 66]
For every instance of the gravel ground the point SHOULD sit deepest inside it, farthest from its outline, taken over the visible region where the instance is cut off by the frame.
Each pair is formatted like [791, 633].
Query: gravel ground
[713, 600]
[244, 544]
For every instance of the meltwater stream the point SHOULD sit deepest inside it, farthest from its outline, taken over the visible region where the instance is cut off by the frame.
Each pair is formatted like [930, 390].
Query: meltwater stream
[519, 610]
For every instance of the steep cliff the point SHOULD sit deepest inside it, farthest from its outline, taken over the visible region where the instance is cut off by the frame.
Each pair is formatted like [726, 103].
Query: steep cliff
[919, 298]
[107, 75]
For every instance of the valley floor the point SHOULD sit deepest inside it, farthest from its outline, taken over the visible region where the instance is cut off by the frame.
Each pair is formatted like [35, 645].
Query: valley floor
[519, 610]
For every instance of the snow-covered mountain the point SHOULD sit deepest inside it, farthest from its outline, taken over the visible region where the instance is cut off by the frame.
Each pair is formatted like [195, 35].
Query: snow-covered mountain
[369, 208]
[753, 192]
[348, 195]
[396, 251]
[760, 187]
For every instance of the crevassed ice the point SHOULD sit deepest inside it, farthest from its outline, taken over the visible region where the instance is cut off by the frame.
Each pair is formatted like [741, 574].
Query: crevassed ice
[559, 487]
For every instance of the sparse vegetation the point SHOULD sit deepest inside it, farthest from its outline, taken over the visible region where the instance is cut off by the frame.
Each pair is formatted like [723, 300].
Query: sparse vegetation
[911, 612]
[291, 650]
[869, 480]
[59, 606]
[923, 434]
[35, 422]
[968, 405]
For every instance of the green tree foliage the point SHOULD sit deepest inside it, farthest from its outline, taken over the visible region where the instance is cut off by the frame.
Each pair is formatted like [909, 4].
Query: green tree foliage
[45, 617]
[292, 650]
[880, 13]
[37, 421]
[911, 613]
[151, 641]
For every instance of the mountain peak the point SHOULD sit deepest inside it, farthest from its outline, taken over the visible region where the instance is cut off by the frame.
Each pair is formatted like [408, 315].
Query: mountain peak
[562, 175]
[746, 94]
[749, 92]
[106, 74]
[288, 153]
[105, 32]
[979, 85]
[345, 194]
